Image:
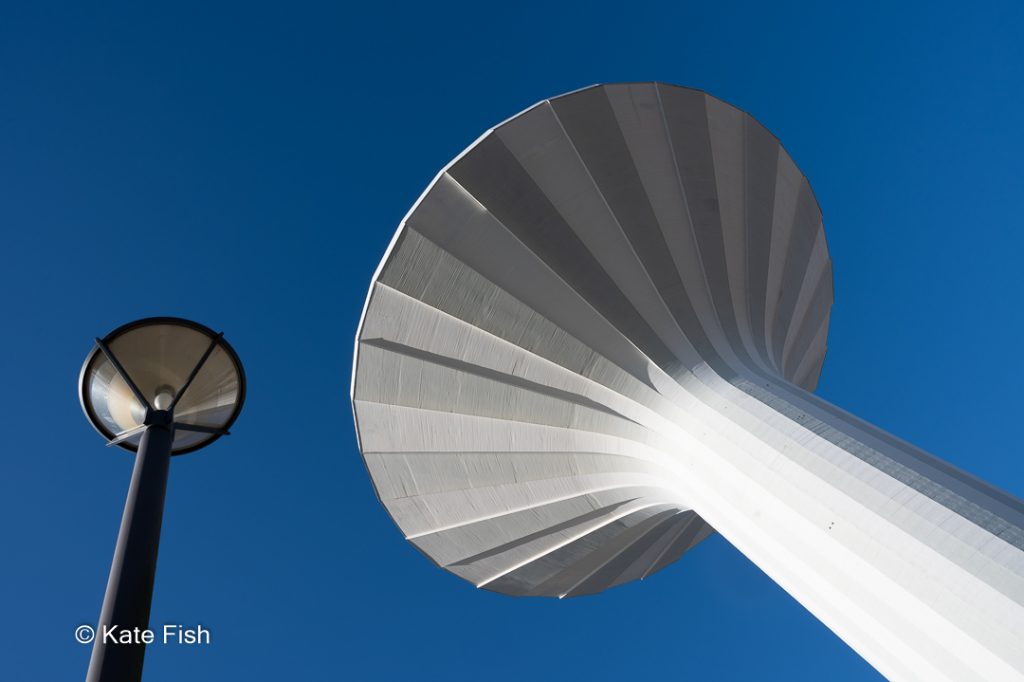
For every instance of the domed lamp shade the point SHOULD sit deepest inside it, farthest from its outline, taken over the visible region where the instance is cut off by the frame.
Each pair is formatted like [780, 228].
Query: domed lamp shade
[162, 364]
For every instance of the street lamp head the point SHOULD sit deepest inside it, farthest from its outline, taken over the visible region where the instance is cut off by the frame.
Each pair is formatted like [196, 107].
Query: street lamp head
[162, 370]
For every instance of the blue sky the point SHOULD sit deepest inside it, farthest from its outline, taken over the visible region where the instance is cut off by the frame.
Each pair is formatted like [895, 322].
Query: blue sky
[246, 165]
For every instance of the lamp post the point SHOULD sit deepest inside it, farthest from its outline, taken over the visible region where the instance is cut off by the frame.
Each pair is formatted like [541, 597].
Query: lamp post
[158, 387]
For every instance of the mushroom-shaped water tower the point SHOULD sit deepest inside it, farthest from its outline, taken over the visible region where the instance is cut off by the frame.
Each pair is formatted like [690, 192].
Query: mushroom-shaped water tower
[594, 341]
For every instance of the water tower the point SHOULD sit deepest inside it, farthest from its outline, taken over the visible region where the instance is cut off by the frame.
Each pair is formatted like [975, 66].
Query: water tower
[593, 342]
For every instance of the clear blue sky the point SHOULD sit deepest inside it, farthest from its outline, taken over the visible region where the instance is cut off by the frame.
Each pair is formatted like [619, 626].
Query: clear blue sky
[246, 165]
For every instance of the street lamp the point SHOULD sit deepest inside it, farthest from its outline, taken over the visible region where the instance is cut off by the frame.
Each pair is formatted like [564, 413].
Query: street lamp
[160, 386]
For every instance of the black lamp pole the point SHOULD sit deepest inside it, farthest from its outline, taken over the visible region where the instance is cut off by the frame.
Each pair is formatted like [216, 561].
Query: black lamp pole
[129, 592]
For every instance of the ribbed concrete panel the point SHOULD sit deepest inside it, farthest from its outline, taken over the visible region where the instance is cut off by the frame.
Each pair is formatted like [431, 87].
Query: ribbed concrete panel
[592, 342]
